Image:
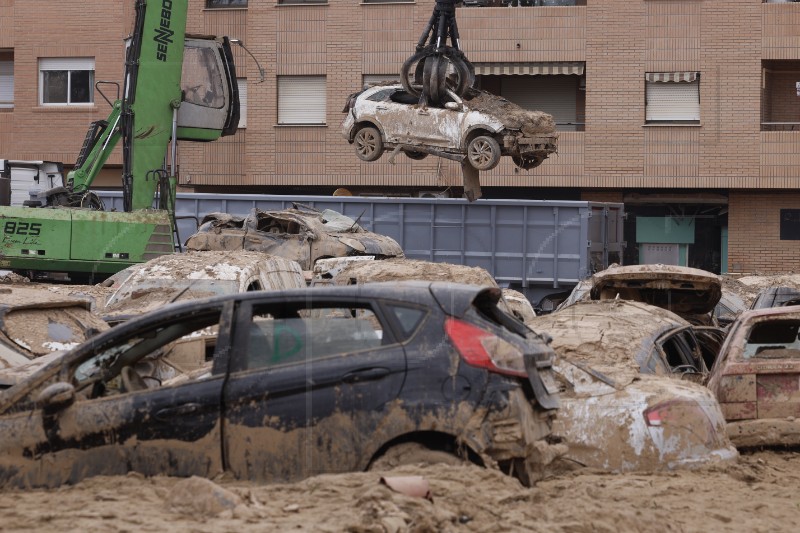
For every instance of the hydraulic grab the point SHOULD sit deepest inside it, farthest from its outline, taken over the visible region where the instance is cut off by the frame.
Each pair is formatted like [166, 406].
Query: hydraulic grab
[437, 67]
[176, 87]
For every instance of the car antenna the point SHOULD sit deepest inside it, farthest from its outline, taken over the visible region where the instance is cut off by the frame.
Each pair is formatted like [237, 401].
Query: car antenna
[359, 218]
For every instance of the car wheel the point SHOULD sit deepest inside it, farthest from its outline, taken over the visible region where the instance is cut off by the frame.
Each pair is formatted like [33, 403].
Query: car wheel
[483, 152]
[416, 156]
[368, 143]
[413, 453]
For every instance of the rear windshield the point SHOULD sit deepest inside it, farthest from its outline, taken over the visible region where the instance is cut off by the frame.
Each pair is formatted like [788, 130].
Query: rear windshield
[773, 339]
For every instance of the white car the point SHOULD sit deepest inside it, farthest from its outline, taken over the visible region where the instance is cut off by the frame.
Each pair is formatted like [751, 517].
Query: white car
[481, 127]
[193, 275]
[623, 404]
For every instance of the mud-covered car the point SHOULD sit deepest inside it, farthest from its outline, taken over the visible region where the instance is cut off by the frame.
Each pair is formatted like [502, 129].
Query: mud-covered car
[359, 270]
[776, 297]
[188, 276]
[37, 322]
[689, 292]
[480, 127]
[301, 382]
[757, 378]
[621, 407]
[301, 233]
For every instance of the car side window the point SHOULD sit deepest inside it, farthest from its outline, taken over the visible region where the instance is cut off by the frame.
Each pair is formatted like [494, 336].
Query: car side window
[408, 318]
[679, 353]
[286, 336]
[381, 96]
[161, 355]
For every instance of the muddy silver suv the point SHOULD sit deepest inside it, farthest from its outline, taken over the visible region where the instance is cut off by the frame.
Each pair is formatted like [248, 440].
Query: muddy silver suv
[480, 128]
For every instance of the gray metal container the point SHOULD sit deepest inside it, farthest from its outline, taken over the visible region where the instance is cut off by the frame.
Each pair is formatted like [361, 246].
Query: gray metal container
[536, 246]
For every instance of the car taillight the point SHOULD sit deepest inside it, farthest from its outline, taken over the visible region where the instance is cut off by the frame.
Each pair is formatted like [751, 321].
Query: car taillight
[483, 349]
[686, 416]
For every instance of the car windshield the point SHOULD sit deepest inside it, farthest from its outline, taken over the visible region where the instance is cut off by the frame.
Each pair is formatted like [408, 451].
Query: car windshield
[143, 293]
[40, 331]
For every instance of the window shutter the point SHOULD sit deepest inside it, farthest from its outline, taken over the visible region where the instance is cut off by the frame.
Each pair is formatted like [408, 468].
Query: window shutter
[302, 100]
[66, 63]
[673, 101]
[242, 102]
[556, 95]
[6, 83]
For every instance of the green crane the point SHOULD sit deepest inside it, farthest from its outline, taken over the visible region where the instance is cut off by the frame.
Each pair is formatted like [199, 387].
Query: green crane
[176, 87]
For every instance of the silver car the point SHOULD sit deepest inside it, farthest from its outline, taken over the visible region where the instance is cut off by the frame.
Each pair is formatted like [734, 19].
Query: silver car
[480, 128]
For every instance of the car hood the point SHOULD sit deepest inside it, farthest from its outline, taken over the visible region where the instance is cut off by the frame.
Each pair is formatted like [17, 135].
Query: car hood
[682, 290]
[510, 114]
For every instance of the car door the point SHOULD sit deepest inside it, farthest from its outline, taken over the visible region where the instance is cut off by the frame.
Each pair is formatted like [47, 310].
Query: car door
[438, 127]
[393, 118]
[117, 408]
[309, 382]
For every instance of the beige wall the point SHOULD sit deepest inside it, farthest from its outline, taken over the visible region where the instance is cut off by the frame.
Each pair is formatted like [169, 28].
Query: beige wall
[725, 40]
[754, 243]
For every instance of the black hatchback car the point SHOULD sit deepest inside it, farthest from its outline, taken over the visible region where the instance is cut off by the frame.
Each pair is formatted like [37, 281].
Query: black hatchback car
[297, 383]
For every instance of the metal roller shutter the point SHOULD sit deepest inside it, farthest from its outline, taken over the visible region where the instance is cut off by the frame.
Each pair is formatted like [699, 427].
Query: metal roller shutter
[301, 100]
[6, 83]
[66, 63]
[556, 95]
[673, 101]
[242, 102]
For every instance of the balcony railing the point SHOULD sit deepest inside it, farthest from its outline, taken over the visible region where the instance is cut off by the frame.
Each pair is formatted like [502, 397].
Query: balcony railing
[522, 3]
[780, 126]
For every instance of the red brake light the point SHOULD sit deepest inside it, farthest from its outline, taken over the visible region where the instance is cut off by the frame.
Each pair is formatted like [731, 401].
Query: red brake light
[483, 349]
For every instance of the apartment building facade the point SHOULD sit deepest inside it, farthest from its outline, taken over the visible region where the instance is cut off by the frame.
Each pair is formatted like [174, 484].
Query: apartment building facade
[686, 110]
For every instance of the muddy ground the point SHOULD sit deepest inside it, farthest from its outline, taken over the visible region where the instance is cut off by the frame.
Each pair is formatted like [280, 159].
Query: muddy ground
[759, 493]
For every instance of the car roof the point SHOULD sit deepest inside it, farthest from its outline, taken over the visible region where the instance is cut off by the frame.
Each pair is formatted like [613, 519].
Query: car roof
[606, 334]
[16, 298]
[222, 265]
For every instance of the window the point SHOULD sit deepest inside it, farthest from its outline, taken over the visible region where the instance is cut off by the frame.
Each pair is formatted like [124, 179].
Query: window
[557, 88]
[302, 100]
[310, 334]
[672, 97]
[242, 102]
[780, 94]
[6, 80]
[66, 81]
[213, 4]
[298, 2]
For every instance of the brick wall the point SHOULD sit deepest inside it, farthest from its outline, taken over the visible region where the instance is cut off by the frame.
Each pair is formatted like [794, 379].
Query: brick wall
[754, 243]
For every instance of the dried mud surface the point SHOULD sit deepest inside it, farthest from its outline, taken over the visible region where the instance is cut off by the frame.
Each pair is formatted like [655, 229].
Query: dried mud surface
[756, 494]
[747, 287]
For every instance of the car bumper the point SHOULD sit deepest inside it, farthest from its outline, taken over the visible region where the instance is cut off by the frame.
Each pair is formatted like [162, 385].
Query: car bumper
[765, 432]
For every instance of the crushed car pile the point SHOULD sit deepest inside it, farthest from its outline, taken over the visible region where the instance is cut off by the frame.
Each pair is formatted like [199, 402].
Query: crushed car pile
[387, 361]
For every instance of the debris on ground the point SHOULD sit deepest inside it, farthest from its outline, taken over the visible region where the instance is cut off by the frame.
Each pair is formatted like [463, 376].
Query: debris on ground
[755, 492]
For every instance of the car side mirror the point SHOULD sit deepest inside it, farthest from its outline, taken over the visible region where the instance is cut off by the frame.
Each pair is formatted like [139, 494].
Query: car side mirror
[56, 397]
[453, 106]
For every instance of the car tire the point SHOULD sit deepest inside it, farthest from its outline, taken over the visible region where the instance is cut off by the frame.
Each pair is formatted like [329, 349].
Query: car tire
[483, 152]
[416, 156]
[413, 453]
[368, 143]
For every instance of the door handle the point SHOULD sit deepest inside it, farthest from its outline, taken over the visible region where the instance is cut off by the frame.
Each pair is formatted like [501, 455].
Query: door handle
[180, 410]
[365, 374]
